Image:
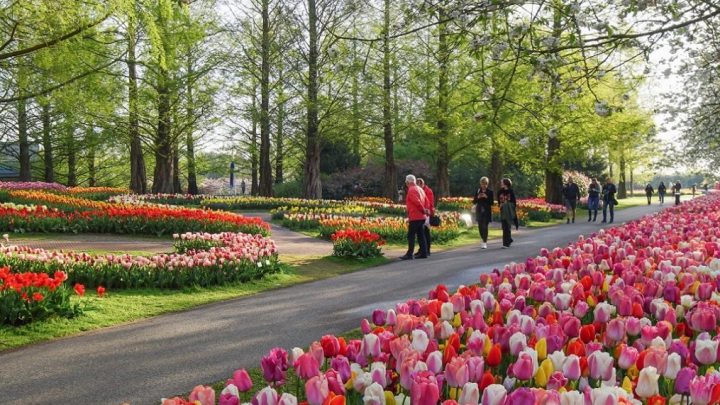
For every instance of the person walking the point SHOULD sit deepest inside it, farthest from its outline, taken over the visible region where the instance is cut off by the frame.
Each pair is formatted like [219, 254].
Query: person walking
[483, 201]
[661, 192]
[416, 212]
[609, 201]
[508, 215]
[676, 191]
[649, 192]
[593, 200]
[430, 206]
[571, 194]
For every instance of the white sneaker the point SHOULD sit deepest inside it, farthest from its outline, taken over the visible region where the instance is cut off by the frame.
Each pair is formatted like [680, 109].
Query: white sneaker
[484, 245]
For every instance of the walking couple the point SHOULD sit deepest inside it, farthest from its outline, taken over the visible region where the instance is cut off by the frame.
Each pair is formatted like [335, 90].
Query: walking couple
[420, 206]
[484, 201]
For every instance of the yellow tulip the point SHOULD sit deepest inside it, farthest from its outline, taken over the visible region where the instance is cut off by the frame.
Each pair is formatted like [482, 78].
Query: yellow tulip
[562, 389]
[541, 378]
[693, 287]
[349, 383]
[633, 372]
[591, 301]
[710, 370]
[456, 321]
[454, 392]
[541, 349]
[389, 398]
[627, 385]
[488, 346]
[547, 366]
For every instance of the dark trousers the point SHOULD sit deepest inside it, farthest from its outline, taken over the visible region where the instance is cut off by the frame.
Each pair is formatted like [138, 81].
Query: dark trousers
[612, 211]
[507, 237]
[484, 226]
[426, 231]
[662, 197]
[677, 199]
[649, 196]
[415, 229]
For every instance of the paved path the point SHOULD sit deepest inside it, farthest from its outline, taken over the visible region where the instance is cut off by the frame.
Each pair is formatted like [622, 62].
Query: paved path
[84, 242]
[291, 242]
[170, 354]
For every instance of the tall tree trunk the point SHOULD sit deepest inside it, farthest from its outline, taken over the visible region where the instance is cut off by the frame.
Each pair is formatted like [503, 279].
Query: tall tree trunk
[254, 146]
[47, 144]
[355, 115]
[390, 169]
[163, 174]
[553, 170]
[265, 165]
[622, 185]
[23, 142]
[92, 168]
[311, 177]
[632, 181]
[610, 169]
[177, 185]
[443, 128]
[189, 140]
[71, 157]
[280, 133]
[138, 177]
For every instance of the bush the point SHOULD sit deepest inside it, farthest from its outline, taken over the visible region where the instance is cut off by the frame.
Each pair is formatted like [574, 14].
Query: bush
[288, 189]
[358, 244]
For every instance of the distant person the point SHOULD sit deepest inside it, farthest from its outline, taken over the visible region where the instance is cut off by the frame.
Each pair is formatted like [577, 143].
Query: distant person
[661, 192]
[609, 202]
[416, 212]
[649, 192]
[430, 206]
[571, 195]
[483, 201]
[508, 215]
[676, 190]
[693, 189]
[242, 187]
[705, 188]
[593, 200]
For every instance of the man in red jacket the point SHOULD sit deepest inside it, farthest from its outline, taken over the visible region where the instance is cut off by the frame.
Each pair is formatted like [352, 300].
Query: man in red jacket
[416, 211]
[430, 206]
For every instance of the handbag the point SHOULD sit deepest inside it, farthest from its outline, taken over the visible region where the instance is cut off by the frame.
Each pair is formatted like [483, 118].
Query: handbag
[435, 220]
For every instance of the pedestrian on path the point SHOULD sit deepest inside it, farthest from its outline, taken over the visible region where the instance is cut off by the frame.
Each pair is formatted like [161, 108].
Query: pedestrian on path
[661, 192]
[417, 213]
[608, 196]
[649, 192]
[571, 194]
[676, 191]
[593, 200]
[508, 214]
[483, 201]
[430, 206]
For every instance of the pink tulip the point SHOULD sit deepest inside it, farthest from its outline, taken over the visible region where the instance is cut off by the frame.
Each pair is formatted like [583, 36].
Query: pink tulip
[434, 362]
[706, 349]
[370, 347]
[628, 357]
[571, 367]
[204, 395]
[317, 390]
[601, 365]
[306, 366]
[241, 379]
[557, 380]
[616, 330]
[457, 373]
[335, 382]
[425, 389]
[267, 396]
[494, 394]
[524, 367]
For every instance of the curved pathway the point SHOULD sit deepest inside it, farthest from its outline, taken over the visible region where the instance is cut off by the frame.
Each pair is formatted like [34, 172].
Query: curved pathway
[168, 355]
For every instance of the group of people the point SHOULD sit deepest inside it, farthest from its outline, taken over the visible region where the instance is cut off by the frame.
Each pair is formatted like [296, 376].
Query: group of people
[420, 206]
[484, 200]
[662, 190]
[596, 194]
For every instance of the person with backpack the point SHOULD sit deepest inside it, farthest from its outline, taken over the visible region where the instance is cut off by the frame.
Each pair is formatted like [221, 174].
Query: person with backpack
[593, 200]
[661, 192]
[508, 214]
[649, 192]
[571, 194]
[483, 201]
[608, 196]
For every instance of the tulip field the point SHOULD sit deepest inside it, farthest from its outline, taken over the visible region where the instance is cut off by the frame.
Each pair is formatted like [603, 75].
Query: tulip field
[628, 315]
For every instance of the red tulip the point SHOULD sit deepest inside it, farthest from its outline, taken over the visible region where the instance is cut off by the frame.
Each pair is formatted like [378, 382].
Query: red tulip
[495, 355]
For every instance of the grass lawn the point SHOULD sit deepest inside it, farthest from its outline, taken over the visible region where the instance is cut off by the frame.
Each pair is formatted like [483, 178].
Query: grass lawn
[123, 306]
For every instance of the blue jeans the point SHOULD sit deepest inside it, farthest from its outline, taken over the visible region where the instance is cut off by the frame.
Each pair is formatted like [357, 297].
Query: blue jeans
[612, 211]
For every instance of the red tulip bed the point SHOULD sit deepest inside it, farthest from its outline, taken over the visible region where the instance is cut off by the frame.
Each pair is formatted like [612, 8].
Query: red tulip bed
[628, 315]
[356, 244]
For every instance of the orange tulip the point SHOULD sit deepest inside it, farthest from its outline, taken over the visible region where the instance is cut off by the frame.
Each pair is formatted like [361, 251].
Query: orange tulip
[495, 355]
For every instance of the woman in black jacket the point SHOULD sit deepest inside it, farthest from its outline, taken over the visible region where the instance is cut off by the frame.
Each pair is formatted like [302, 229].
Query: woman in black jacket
[483, 201]
[508, 215]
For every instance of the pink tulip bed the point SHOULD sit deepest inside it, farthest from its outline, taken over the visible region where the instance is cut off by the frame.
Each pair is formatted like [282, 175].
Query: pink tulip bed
[628, 315]
[202, 259]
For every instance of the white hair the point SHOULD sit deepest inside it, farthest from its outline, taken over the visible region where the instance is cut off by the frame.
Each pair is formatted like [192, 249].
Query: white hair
[410, 179]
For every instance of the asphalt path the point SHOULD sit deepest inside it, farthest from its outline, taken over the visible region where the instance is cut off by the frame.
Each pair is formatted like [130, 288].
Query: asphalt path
[167, 355]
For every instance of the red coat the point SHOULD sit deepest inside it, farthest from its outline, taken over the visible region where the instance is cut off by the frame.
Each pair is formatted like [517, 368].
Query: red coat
[415, 203]
[429, 199]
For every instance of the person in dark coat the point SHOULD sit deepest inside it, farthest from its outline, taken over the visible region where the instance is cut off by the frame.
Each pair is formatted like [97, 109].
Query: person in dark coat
[676, 190]
[571, 194]
[508, 215]
[649, 192]
[483, 201]
[608, 196]
[661, 192]
[593, 200]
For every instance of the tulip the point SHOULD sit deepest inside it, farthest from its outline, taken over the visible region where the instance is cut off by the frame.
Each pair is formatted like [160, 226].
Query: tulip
[603, 311]
[447, 311]
[556, 381]
[557, 358]
[229, 395]
[457, 373]
[541, 348]
[656, 357]
[266, 396]
[628, 357]
[683, 379]
[307, 366]
[476, 366]
[370, 347]
[571, 367]
[672, 366]
[572, 398]
[391, 318]
[203, 395]
[633, 326]
[495, 355]
[378, 317]
[289, 399]
[647, 385]
[601, 365]
[524, 369]
[241, 380]
[434, 362]
[335, 382]
[330, 345]
[470, 394]
[274, 366]
[425, 389]
[706, 351]
[342, 365]
[374, 395]
[518, 342]
[616, 330]
[521, 396]
[420, 340]
[494, 394]
[378, 374]
[317, 390]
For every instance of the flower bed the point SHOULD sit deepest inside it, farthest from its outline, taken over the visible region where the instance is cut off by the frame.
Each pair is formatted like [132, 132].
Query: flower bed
[61, 201]
[356, 244]
[203, 260]
[393, 229]
[629, 315]
[528, 209]
[31, 185]
[160, 199]
[126, 220]
[264, 203]
[348, 210]
[380, 200]
[27, 297]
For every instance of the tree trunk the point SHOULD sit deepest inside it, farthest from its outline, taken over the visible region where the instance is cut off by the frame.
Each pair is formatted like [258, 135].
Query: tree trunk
[355, 107]
[189, 140]
[71, 157]
[622, 186]
[138, 177]
[311, 177]
[553, 169]
[632, 182]
[443, 129]
[163, 174]
[265, 165]
[279, 141]
[49, 176]
[390, 169]
[23, 142]
[92, 169]
[254, 146]
[177, 185]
